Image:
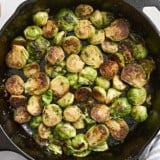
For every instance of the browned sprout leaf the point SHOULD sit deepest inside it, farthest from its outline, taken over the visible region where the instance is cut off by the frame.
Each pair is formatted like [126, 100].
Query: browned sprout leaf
[17, 100]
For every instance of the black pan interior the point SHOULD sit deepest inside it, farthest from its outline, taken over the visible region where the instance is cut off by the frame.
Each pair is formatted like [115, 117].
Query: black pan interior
[137, 139]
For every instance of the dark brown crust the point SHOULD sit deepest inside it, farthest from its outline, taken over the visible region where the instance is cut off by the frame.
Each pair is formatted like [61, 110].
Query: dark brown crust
[17, 100]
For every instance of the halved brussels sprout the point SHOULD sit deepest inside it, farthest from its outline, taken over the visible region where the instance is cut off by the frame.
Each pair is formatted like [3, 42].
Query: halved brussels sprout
[43, 131]
[100, 148]
[118, 84]
[32, 32]
[71, 45]
[14, 85]
[56, 149]
[34, 106]
[100, 113]
[40, 141]
[66, 100]
[31, 69]
[139, 113]
[66, 19]
[118, 30]
[55, 55]
[50, 29]
[17, 57]
[118, 128]
[136, 96]
[79, 124]
[72, 113]
[87, 76]
[120, 107]
[97, 135]
[37, 84]
[73, 80]
[17, 100]
[97, 38]
[52, 115]
[59, 86]
[74, 63]
[99, 94]
[35, 121]
[19, 41]
[83, 94]
[47, 97]
[37, 48]
[109, 46]
[139, 51]
[112, 94]
[108, 69]
[21, 115]
[58, 38]
[83, 11]
[84, 29]
[40, 18]
[65, 131]
[107, 17]
[134, 75]
[92, 56]
[102, 82]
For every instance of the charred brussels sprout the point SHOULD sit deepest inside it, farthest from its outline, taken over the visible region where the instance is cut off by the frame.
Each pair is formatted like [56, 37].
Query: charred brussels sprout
[35, 121]
[58, 38]
[17, 100]
[19, 41]
[47, 97]
[139, 113]
[119, 58]
[102, 82]
[43, 131]
[118, 84]
[137, 96]
[66, 19]
[52, 115]
[17, 57]
[120, 107]
[40, 18]
[32, 32]
[92, 56]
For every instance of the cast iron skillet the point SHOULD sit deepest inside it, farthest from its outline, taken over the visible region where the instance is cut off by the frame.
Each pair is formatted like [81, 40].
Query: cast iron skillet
[142, 135]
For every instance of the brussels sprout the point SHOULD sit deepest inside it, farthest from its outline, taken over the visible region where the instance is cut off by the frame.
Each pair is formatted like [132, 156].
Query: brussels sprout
[73, 79]
[99, 94]
[65, 131]
[66, 100]
[43, 131]
[56, 149]
[37, 48]
[83, 94]
[112, 94]
[17, 57]
[50, 29]
[34, 106]
[58, 38]
[55, 55]
[72, 113]
[109, 69]
[84, 29]
[52, 115]
[35, 121]
[47, 97]
[71, 45]
[37, 84]
[92, 56]
[21, 115]
[17, 100]
[139, 51]
[118, 30]
[67, 19]
[32, 32]
[97, 38]
[74, 64]
[118, 84]
[83, 11]
[102, 82]
[40, 18]
[107, 18]
[134, 75]
[137, 96]
[79, 124]
[100, 148]
[139, 113]
[87, 76]
[109, 46]
[97, 135]
[118, 128]
[31, 69]
[100, 113]
[120, 107]
[15, 85]
[59, 86]
[19, 41]
[40, 141]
